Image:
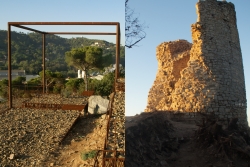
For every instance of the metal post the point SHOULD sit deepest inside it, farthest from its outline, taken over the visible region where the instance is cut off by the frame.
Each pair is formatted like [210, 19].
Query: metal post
[43, 63]
[117, 51]
[9, 66]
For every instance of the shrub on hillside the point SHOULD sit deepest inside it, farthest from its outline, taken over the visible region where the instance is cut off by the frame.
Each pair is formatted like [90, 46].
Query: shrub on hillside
[4, 88]
[103, 87]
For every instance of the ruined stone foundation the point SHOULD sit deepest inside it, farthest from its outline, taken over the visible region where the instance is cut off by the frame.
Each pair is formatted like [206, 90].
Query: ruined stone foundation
[206, 76]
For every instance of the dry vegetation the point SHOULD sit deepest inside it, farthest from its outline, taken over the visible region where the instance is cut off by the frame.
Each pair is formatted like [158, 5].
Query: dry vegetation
[155, 139]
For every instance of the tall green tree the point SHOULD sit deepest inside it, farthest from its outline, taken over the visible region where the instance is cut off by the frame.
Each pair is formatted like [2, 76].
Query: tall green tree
[108, 60]
[84, 59]
[52, 78]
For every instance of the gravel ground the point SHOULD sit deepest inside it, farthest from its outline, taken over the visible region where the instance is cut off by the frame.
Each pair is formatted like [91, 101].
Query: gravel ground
[58, 99]
[117, 128]
[33, 135]
[44, 98]
[30, 135]
[116, 133]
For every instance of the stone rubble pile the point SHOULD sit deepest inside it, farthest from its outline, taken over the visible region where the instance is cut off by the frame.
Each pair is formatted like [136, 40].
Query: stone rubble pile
[120, 86]
[116, 128]
[46, 99]
[116, 135]
[58, 99]
[3, 106]
[28, 136]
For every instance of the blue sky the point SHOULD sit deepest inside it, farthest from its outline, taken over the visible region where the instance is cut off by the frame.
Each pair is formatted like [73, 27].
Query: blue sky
[65, 11]
[168, 21]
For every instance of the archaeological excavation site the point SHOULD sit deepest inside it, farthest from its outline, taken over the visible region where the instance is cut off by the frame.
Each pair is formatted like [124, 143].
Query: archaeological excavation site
[196, 106]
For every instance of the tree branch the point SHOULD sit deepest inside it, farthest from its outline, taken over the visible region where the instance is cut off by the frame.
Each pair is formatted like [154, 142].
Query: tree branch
[134, 30]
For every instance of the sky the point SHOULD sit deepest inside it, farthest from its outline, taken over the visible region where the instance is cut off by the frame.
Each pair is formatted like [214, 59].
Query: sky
[169, 21]
[66, 11]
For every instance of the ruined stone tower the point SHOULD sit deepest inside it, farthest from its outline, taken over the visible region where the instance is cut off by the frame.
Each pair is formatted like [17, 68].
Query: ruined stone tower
[206, 76]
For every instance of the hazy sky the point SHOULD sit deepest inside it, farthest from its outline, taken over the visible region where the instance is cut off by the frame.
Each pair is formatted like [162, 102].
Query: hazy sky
[65, 11]
[168, 21]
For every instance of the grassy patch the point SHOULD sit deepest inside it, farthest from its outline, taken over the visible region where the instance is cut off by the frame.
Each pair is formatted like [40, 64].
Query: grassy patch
[87, 155]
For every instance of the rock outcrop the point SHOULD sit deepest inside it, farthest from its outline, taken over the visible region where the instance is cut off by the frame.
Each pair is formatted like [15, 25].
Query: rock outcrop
[206, 76]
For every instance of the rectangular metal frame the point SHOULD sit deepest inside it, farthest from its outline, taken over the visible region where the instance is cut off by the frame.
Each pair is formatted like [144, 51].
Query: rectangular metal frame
[21, 25]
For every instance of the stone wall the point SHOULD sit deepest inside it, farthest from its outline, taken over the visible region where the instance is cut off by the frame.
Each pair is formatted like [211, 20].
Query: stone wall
[206, 76]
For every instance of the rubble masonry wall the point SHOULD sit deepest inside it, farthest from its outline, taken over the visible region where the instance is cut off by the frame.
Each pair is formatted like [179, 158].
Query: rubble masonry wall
[206, 76]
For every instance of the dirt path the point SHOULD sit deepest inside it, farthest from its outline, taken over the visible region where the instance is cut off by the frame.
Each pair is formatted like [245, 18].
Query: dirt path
[86, 135]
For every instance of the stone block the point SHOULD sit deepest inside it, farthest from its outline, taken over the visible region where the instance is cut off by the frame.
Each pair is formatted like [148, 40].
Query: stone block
[97, 105]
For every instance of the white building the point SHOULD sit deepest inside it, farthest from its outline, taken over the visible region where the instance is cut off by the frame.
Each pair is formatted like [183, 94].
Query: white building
[81, 74]
[112, 68]
[14, 74]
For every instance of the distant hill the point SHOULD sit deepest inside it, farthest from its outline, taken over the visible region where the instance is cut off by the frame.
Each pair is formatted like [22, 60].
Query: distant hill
[27, 51]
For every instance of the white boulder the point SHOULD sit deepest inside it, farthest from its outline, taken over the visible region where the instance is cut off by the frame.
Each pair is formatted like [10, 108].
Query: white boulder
[97, 105]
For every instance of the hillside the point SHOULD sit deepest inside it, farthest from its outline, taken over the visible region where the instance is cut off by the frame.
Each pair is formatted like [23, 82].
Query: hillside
[27, 51]
[163, 139]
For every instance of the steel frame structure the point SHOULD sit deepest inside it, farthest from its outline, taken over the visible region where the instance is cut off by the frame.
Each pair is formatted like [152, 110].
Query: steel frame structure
[24, 24]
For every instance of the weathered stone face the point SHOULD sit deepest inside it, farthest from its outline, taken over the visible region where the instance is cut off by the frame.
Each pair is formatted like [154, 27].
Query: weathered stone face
[172, 58]
[206, 76]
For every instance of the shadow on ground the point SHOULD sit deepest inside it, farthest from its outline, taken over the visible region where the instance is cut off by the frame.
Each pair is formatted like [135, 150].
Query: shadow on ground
[82, 127]
[155, 139]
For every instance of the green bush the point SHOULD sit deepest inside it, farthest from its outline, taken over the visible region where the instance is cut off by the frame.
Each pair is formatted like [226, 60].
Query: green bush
[18, 80]
[103, 87]
[34, 81]
[66, 92]
[57, 89]
[81, 88]
[73, 84]
[4, 88]
[71, 74]
[88, 155]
